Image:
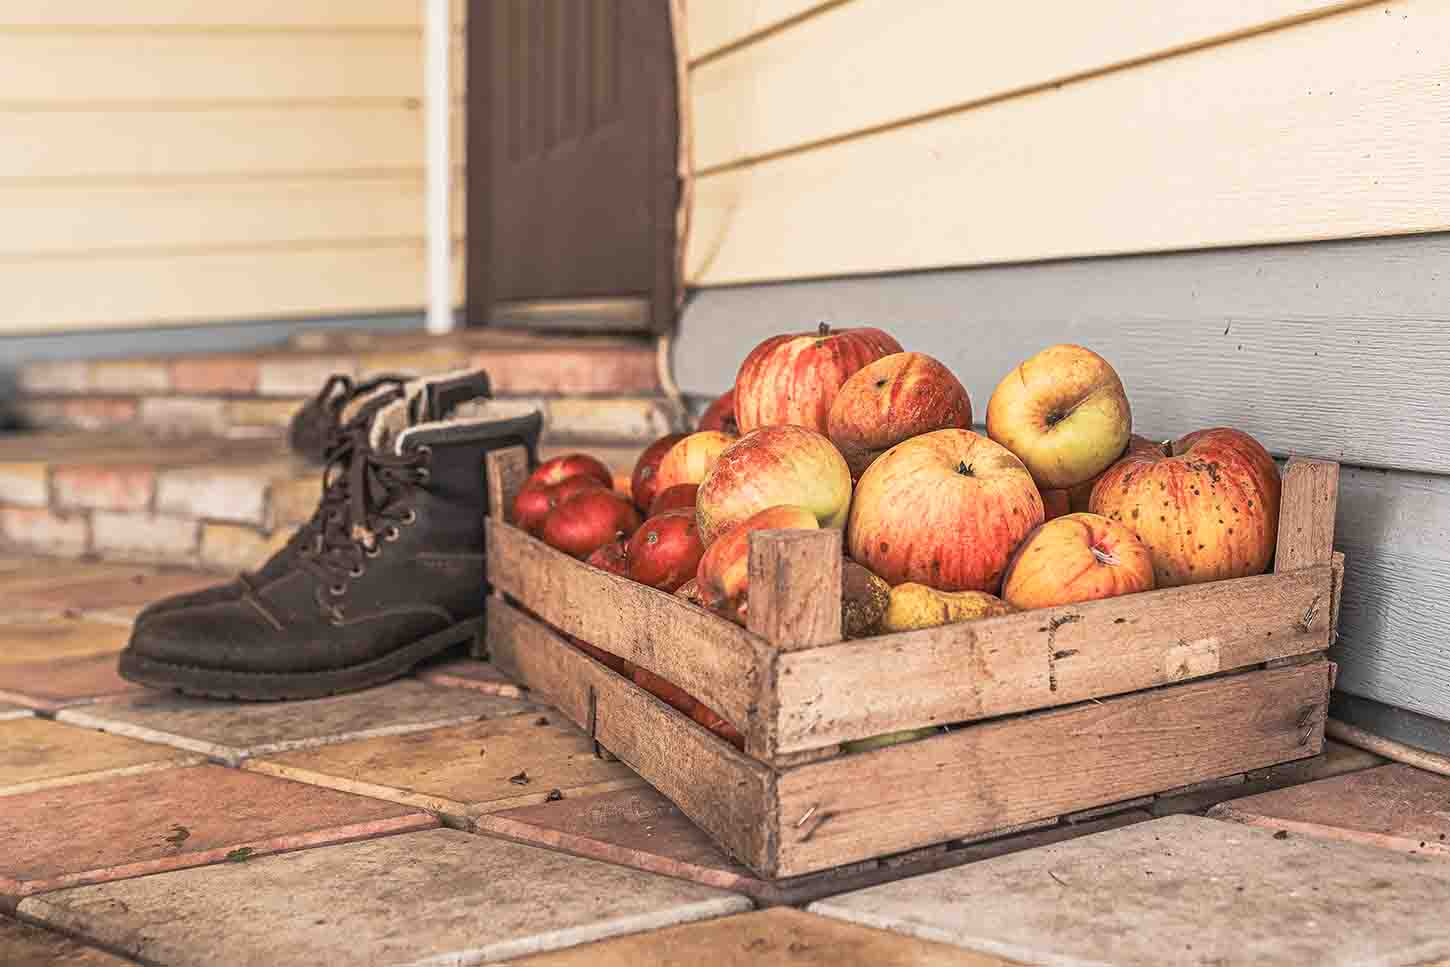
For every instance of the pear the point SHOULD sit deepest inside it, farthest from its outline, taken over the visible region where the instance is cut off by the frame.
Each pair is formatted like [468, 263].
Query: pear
[916, 606]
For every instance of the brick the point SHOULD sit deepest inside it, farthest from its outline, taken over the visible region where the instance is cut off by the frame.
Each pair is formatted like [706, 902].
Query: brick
[612, 420]
[414, 362]
[58, 535]
[1179, 890]
[235, 494]
[40, 414]
[563, 372]
[169, 820]
[104, 487]
[233, 731]
[145, 537]
[292, 501]
[471, 673]
[261, 413]
[215, 375]
[434, 897]
[300, 375]
[97, 413]
[63, 376]
[184, 415]
[57, 684]
[24, 484]
[28, 641]
[237, 547]
[37, 754]
[463, 771]
[130, 377]
[22, 943]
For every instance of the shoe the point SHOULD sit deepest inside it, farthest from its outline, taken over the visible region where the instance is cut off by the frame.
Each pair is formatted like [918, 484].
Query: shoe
[393, 575]
[313, 430]
[328, 406]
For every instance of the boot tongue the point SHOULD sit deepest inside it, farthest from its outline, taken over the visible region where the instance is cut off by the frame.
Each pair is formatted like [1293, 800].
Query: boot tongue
[440, 397]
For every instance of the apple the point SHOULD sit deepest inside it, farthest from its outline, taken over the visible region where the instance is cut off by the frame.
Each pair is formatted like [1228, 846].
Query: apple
[678, 497]
[864, 597]
[612, 557]
[1205, 505]
[1056, 503]
[711, 720]
[720, 415]
[604, 658]
[891, 400]
[1080, 557]
[890, 738]
[689, 460]
[588, 521]
[536, 501]
[724, 573]
[945, 509]
[671, 694]
[1080, 496]
[794, 378]
[771, 466]
[1064, 413]
[569, 465]
[665, 551]
[912, 607]
[644, 482]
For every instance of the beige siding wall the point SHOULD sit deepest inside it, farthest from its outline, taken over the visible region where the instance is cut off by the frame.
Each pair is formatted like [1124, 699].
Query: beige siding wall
[166, 161]
[870, 135]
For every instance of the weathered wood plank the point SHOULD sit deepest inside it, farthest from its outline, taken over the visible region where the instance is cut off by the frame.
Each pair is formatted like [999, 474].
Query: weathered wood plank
[505, 470]
[795, 588]
[1306, 514]
[717, 662]
[727, 794]
[1045, 658]
[1046, 764]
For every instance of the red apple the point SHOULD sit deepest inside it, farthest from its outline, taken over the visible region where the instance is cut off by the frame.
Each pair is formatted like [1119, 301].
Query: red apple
[1080, 557]
[1064, 413]
[724, 573]
[1055, 503]
[606, 659]
[945, 509]
[536, 501]
[678, 497]
[665, 552]
[794, 378]
[1206, 505]
[721, 415]
[1080, 496]
[689, 460]
[588, 521]
[667, 692]
[569, 465]
[891, 400]
[612, 557]
[644, 482]
[711, 720]
[771, 466]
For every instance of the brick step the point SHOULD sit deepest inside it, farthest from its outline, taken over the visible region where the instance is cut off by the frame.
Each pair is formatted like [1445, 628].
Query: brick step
[207, 502]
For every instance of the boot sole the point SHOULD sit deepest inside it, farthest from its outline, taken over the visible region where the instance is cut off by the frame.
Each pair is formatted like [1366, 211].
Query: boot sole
[285, 686]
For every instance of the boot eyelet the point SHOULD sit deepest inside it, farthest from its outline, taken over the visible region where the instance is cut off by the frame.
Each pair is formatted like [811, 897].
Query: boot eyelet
[424, 474]
[373, 551]
[425, 451]
[409, 516]
[337, 590]
[392, 533]
[357, 572]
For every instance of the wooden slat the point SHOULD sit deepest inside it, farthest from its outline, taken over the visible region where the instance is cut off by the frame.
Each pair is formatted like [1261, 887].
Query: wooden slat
[725, 793]
[1306, 514]
[711, 25]
[879, 62]
[505, 472]
[42, 295]
[717, 662]
[190, 15]
[1046, 764]
[1217, 148]
[1040, 659]
[795, 581]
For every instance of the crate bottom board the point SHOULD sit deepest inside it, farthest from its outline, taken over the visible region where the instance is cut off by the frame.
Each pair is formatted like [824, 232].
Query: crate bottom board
[976, 779]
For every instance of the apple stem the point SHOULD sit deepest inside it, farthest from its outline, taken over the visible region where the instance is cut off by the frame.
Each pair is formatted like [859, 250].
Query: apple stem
[1103, 557]
[964, 468]
[824, 329]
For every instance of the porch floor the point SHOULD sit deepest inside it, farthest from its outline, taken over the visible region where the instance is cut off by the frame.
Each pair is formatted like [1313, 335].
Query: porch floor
[445, 818]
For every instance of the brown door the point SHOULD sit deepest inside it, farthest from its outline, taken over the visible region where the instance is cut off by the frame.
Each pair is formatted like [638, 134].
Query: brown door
[573, 141]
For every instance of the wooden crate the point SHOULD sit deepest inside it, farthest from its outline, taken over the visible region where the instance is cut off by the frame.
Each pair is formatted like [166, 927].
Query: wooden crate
[1053, 711]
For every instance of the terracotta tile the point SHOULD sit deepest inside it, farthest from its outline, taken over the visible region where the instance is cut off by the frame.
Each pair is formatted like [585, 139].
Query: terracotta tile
[781, 937]
[215, 374]
[139, 587]
[1180, 890]
[24, 642]
[37, 754]
[22, 943]
[437, 897]
[168, 820]
[233, 731]
[1394, 806]
[471, 673]
[464, 771]
[52, 685]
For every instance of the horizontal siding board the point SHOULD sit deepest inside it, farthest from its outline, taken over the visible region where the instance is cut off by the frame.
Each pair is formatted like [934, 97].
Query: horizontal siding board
[1313, 132]
[877, 62]
[86, 15]
[714, 24]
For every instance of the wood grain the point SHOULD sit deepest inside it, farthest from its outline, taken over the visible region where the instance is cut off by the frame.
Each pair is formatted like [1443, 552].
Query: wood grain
[873, 63]
[1046, 764]
[727, 794]
[1200, 151]
[1306, 514]
[506, 471]
[795, 588]
[1045, 658]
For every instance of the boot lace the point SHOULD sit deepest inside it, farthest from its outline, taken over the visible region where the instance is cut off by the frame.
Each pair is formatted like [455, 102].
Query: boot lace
[314, 430]
[367, 505]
